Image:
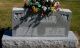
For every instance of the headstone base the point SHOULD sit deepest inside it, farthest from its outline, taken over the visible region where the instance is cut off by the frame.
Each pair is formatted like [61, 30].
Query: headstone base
[40, 42]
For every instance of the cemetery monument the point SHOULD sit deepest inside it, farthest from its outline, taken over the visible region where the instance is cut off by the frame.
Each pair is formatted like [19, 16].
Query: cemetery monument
[41, 24]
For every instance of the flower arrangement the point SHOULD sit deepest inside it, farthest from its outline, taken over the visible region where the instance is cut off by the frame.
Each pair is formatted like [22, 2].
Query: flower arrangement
[44, 7]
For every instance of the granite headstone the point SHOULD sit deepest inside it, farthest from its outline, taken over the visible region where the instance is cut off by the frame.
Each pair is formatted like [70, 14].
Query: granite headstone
[56, 24]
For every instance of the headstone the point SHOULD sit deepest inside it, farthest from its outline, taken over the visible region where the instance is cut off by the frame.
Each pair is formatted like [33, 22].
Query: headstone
[57, 24]
[35, 31]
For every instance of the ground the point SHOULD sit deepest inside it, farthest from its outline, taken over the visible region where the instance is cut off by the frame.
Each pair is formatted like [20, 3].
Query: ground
[73, 5]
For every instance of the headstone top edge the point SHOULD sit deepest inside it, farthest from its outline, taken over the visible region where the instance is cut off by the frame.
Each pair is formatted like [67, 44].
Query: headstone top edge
[66, 10]
[16, 8]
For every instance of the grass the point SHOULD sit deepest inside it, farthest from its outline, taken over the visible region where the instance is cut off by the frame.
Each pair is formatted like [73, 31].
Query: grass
[6, 9]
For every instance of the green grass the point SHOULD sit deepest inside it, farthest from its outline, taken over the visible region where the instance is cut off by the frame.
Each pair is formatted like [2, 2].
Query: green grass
[6, 11]
[74, 6]
[11, 1]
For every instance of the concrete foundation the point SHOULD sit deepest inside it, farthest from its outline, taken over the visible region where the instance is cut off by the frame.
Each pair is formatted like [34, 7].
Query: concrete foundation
[40, 42]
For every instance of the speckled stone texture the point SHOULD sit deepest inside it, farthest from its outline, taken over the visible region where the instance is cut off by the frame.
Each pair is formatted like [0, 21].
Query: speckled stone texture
[40, 42]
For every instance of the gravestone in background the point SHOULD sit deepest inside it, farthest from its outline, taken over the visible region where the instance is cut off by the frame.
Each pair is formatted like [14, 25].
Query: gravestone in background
[56, 24]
